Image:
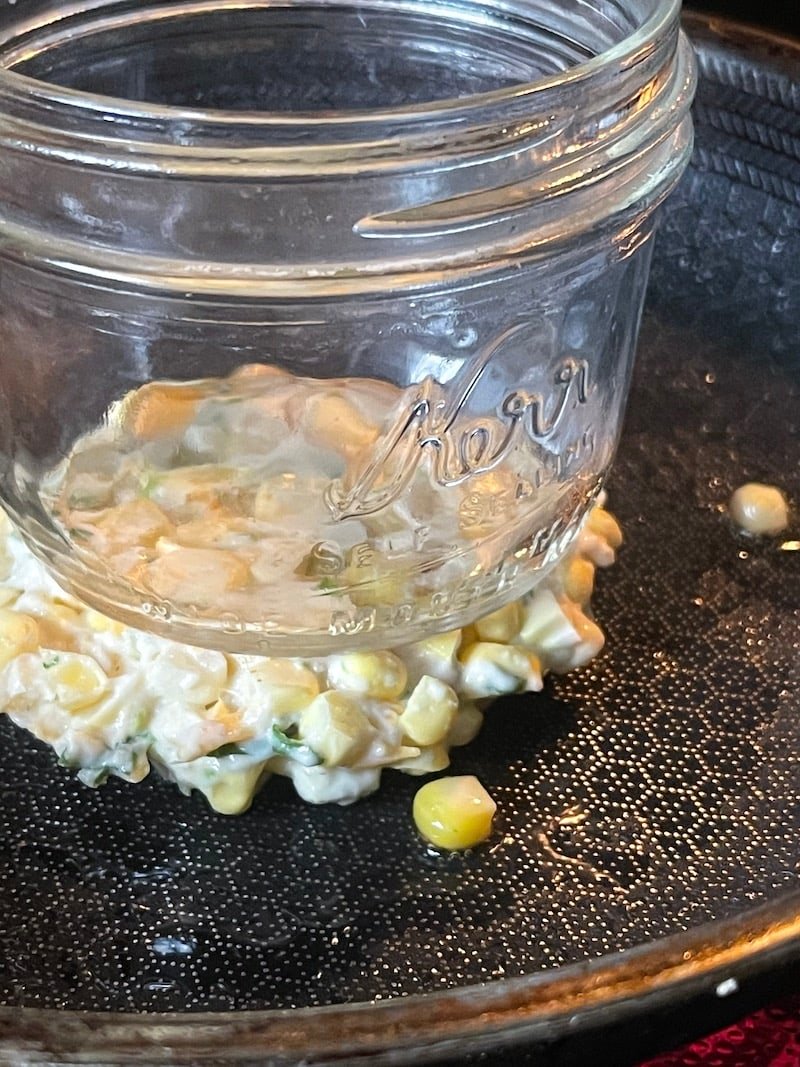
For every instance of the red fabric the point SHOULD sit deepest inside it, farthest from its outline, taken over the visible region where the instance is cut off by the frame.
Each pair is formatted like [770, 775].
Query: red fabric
[769, 1038]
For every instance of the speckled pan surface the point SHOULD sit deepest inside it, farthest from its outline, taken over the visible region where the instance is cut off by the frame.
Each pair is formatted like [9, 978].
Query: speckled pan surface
[655, 795]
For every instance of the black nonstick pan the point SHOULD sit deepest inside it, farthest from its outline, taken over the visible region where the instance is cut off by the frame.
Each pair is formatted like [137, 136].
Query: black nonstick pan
[648, 846]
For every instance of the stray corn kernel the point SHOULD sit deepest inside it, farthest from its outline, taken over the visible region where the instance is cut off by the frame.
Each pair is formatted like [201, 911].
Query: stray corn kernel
[429, 712]
[454, 813]
[759, 509]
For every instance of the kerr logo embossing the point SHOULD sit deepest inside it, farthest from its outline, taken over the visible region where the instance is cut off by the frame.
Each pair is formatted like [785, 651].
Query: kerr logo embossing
[458, 447]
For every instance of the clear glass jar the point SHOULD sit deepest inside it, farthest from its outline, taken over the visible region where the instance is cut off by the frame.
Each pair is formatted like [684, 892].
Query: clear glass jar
[436, 218]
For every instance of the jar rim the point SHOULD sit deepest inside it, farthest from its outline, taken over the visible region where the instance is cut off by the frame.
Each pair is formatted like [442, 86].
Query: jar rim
[623, 54]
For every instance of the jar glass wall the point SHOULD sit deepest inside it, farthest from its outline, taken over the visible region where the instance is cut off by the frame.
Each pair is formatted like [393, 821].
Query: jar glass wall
[318, 320]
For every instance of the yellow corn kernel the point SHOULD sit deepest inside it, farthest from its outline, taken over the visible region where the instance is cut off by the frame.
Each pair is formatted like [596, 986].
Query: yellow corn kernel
[283, 495]
[233, 793]
[428, 760]
[549, 623]
[759, 509]
[138, 522]
[502, 625]
[79, 681]
[260, 371]
[454, 813]
[158, 409]
[579, 579]
[18, 633]
[333, 422]
[466, 725]
[335, 727]
[491, 669]
[604, 524]
[101, 624]
[429, 712]
[381, 675]
[443, 646]
[590, 641]
[370, 580]
[65, 613]
[230, 719]
[290, 685]
[381, 587]
[200, 575]
[206, 532]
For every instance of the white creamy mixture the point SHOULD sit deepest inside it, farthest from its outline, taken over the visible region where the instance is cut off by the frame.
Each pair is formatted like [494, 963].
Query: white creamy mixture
[112, 700]
[215, 496]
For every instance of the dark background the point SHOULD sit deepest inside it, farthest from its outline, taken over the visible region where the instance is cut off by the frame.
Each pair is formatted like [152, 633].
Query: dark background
[782, 16]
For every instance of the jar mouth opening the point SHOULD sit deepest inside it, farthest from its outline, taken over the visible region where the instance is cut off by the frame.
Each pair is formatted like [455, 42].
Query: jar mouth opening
[18, 52]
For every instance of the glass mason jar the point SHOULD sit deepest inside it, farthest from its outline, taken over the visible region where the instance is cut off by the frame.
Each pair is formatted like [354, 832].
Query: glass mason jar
[393, 254]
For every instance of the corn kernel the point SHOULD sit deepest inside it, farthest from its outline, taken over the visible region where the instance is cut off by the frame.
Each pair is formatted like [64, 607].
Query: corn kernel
[199, 575]
[429, 711]
[8, 594]
[283, 495]
[6, 563]
[381, 675]
[230, 719]
[502, 625]
[466, 724]
[335, 728]
[259, 371]
[137, 522]
[101, 624]
[79, 681]
[579, 580]
[454, 813]
[18, 633]
[156, 409]
[428, 760]
[201, 673]
[443, 646]
[334, 422]
[290, 685]
[233, 792]
[491, 669]
[548, 623]
[759, 509]
[604, 524]
[375, 589]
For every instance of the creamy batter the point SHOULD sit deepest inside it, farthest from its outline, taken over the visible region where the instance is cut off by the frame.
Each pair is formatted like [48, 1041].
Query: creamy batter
[114, 701]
